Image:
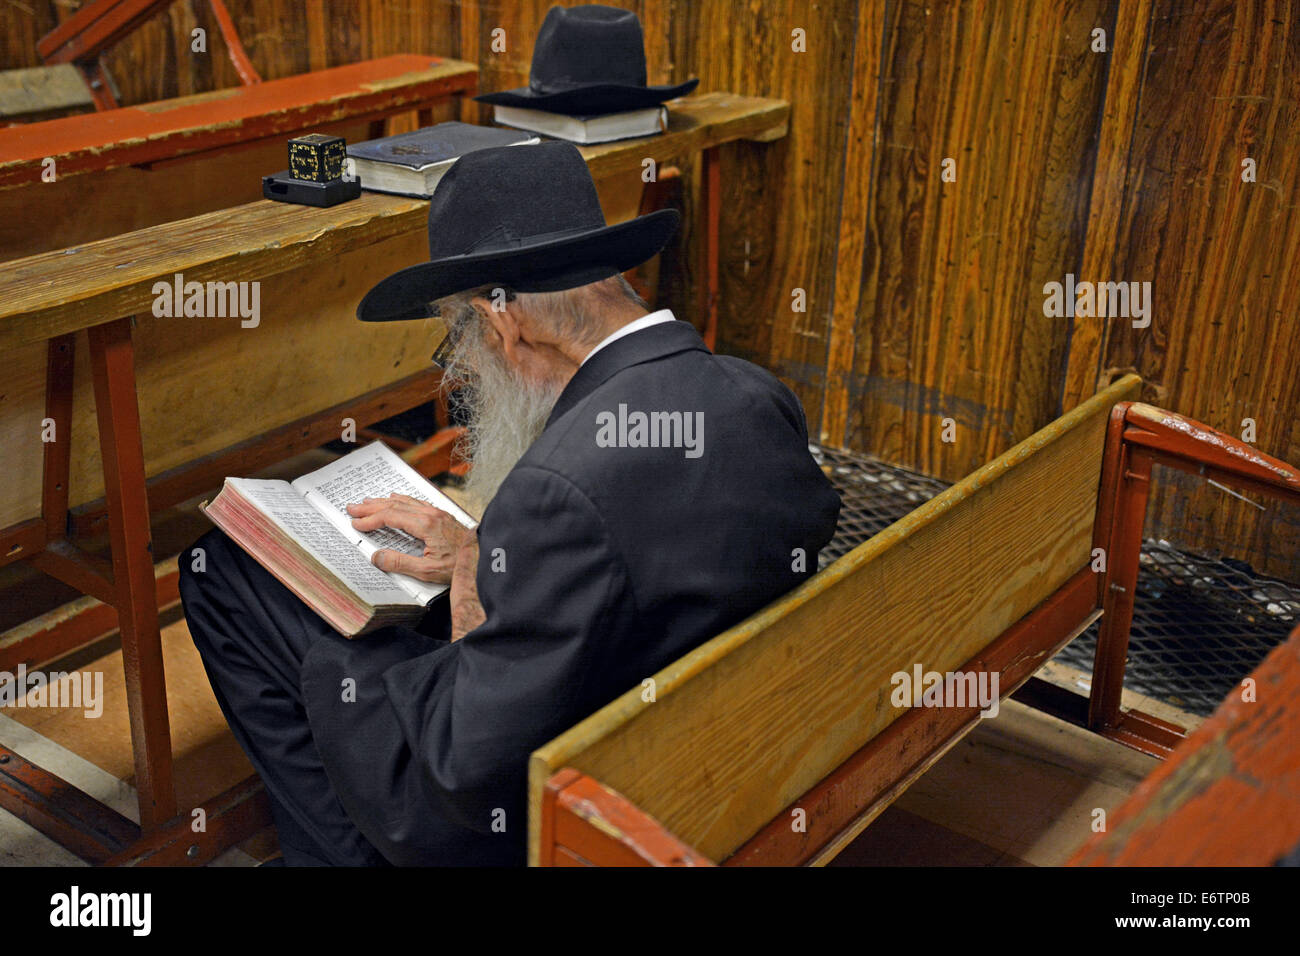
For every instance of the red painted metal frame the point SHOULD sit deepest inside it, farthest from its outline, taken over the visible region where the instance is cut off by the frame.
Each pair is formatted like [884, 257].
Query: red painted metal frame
[437, 454]
[1230, 796]
[84, 37]
[76, 820]
[228, 818]
[75, 625]
[1147, 436]
[591, 825]
[94, 28]
[576, 809]
[99, 84]
[131, 591]
[122, 449]
[248, 74]
[1132, 728]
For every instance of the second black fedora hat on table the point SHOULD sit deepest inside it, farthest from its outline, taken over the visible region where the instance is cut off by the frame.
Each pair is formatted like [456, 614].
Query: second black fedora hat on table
[588, 61]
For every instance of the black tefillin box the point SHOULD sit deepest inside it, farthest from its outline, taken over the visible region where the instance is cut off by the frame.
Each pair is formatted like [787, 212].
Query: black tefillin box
[315, 173]
[316, 157]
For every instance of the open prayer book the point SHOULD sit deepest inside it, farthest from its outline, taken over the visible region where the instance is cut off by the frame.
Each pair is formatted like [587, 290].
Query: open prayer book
[301, 532]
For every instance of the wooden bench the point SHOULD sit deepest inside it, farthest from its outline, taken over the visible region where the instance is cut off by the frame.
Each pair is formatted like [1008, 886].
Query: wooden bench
[124, 169]
[776, 743]
[177, 404]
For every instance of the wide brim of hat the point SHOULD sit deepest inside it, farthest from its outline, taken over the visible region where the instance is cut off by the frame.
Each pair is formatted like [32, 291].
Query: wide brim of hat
[548, 266]
[594, 100]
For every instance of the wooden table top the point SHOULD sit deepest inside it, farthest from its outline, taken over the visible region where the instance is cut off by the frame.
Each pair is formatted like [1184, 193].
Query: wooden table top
[66, 290]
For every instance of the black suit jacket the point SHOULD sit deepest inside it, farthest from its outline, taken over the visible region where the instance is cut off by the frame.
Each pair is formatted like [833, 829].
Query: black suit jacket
[597, 567]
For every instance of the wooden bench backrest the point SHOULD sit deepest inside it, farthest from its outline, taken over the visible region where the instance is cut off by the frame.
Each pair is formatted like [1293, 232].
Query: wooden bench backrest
[745, 724]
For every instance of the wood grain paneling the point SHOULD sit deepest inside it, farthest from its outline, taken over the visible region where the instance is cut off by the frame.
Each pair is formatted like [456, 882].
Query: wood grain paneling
[1223, 256]
[846, 347]
[781, 201]
[950, 321]
[1128, 43]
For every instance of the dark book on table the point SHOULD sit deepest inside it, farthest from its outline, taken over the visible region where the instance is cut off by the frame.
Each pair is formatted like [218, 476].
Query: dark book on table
[410, 164]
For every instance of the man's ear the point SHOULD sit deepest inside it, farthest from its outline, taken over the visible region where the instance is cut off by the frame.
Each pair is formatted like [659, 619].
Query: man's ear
[503, 323]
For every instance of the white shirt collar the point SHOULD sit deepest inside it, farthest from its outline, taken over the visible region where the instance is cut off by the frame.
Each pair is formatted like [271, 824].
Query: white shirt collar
[654, 318]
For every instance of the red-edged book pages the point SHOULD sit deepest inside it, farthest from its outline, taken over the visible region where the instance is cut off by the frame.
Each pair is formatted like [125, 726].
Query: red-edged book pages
[301, 532]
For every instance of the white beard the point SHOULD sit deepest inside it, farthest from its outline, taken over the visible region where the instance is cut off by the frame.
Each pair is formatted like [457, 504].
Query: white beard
[506, 414]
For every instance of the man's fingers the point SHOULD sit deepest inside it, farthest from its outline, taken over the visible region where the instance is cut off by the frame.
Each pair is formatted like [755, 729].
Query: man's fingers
[369, 506]
[376, 519]
[415, 517]
[424, 569]
[399, 517]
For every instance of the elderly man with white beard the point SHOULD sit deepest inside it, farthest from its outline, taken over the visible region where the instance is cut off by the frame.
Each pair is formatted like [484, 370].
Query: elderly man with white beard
[640, 495]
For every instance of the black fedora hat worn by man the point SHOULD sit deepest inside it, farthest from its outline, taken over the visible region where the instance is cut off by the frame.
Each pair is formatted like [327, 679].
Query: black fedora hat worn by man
[600, 560]
[588, 61]
[529, 217]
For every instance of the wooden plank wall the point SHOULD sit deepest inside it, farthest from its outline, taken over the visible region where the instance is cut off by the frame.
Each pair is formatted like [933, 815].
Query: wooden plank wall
[1223, 256]
[924, 297]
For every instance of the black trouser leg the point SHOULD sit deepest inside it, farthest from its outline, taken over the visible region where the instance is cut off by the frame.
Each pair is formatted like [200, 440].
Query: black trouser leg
[252, 633]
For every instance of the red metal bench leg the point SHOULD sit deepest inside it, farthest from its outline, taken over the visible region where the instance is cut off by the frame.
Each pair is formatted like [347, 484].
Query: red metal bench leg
[1123, 557]
[96, 77]
[1139, 437]
[120, 443]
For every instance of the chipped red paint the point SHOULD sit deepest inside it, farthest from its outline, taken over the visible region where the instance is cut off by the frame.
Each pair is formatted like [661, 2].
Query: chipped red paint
[592, 825]
[1169, 431]
[1230, 795]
